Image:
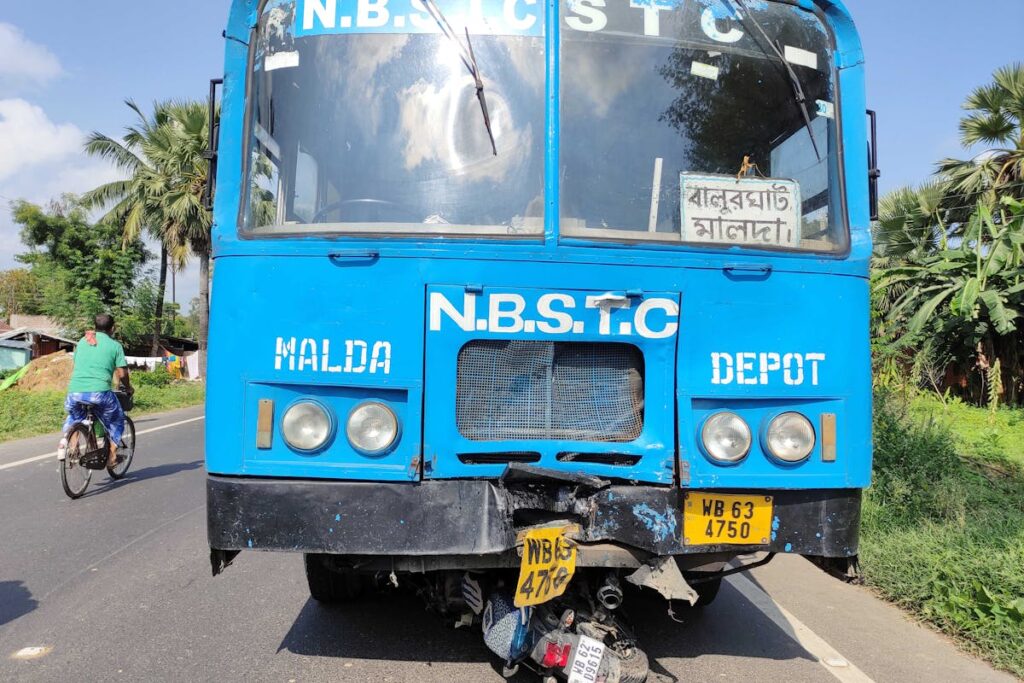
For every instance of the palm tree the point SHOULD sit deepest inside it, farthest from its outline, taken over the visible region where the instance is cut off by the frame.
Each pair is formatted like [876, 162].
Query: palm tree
[910, 223]
[949, 261]
[187, 139]
[909, 228]
[139, 202]
[996, 119]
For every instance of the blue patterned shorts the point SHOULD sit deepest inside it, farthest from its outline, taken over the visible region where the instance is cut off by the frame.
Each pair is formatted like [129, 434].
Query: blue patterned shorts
[108, 410]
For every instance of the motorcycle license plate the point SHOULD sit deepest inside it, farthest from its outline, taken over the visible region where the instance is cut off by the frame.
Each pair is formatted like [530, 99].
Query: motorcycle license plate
[549, 561]
[586, 661]
[726, 519]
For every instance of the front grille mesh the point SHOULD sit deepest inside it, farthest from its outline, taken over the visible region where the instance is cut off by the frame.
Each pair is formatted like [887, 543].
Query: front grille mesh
[573, 391]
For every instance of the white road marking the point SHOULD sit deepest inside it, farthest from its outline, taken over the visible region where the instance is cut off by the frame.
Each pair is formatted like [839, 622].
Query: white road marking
[53, 454]
[829, 658]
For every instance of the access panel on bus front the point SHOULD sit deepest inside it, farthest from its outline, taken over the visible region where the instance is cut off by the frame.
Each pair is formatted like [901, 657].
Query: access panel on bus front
[565, 379]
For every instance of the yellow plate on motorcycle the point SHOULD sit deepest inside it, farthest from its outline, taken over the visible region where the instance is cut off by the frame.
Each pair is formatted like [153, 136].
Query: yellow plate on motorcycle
[549, 561]
[727, 519]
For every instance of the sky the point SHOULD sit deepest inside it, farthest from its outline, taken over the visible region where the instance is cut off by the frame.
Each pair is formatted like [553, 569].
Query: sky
[66, 67]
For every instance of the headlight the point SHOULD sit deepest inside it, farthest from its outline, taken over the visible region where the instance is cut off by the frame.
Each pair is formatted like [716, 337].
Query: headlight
[372, 428]
[306, 426]
[790, 437]
[726, 437]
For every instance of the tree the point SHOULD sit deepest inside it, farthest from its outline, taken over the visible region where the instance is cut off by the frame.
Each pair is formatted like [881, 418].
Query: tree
[83, 268]
[178, 324]
[188, 138]
[910, 223]
[995, 119]
[135, 318]
[140, 203]
[19, 292]
[948, 255]
[968, 298]
[164, 193]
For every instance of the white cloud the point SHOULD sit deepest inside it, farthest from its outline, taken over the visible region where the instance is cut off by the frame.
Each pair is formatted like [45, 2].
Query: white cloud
[78, 175]
[39, 184]
[24, 61]
[28, 137]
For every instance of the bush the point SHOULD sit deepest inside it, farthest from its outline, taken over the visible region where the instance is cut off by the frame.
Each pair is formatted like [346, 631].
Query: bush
[942, 535]
[151, 399]
[158, 377]
[916, 463]
[24, 413]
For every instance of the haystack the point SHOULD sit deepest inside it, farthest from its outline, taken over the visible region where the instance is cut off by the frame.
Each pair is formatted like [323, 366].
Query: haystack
[49, 373]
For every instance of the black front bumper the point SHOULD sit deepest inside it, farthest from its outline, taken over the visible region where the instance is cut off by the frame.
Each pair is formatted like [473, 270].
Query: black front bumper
[480, 517]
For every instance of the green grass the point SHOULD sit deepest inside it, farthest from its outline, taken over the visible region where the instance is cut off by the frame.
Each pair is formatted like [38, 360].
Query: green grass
[976, 432]
[943, 524]
[29, 413]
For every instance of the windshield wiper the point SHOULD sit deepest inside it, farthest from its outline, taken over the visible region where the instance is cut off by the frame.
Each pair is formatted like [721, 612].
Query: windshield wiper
[469, 59]
[794, 80]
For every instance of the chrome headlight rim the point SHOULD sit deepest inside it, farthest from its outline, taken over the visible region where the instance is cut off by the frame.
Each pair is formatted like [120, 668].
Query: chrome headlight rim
[766, 430]
[703, 436]
[394, 439]
[332, 425]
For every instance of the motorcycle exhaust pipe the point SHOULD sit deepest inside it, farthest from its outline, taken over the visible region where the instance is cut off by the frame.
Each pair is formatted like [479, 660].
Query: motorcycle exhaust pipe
[610, 593]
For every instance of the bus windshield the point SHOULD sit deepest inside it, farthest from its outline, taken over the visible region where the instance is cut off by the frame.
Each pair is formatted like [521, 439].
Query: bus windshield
[699, 103]
[711, 122]
[372, 131]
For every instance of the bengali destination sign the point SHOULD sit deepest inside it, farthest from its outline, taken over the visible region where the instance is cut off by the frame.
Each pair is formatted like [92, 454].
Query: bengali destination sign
[719, 209]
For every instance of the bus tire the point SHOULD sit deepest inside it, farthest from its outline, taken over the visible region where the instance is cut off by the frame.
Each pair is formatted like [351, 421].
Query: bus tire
[331, 586]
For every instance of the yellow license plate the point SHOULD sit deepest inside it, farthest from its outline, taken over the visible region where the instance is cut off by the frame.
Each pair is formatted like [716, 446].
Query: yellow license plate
[549, 561]
[726, 519]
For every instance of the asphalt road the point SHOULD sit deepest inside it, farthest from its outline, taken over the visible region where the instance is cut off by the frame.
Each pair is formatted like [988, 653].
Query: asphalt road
[116, 586]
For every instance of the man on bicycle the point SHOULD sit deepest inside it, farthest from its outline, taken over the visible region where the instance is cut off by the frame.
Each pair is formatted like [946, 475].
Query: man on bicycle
[98, 361]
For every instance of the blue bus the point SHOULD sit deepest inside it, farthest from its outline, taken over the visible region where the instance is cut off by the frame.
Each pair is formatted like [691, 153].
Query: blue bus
[530, 304]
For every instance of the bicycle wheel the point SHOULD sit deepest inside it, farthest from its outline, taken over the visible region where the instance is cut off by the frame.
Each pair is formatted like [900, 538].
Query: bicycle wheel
[73, 477]
[125, 451]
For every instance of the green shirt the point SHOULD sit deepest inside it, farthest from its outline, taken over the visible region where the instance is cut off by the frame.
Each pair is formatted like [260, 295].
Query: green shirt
[94, 365]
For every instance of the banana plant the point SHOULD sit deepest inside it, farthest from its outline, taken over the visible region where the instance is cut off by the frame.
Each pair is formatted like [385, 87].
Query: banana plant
[980, 280]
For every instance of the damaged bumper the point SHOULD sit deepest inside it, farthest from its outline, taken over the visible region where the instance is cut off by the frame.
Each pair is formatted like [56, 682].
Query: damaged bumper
[483, 517]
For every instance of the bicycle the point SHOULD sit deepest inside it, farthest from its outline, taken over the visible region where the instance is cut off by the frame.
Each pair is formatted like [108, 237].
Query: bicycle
[87, 449]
